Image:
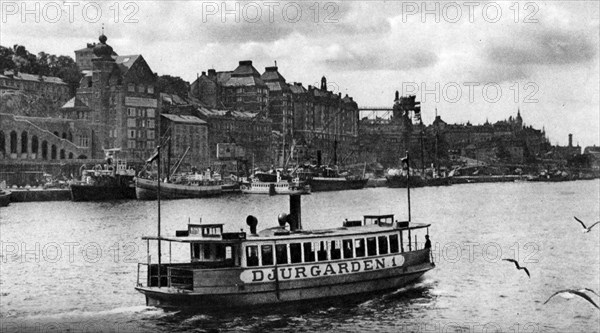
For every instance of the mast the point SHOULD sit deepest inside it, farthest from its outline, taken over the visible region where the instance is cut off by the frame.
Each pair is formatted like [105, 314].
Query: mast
[408, 183]
[158, 198]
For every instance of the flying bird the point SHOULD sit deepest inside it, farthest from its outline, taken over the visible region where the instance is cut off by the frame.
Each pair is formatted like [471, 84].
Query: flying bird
[569, 293]
[585, 229]
[518, 267]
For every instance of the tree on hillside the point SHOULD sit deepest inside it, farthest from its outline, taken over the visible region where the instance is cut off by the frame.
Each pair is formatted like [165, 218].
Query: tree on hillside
[172, 85]
[6, 62]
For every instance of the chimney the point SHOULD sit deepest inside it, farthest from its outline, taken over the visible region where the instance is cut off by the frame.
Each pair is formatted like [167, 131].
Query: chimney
[246, 63]
[271, 69]
[212, 73]
[295, 212]
[203, 73]
[570, 140]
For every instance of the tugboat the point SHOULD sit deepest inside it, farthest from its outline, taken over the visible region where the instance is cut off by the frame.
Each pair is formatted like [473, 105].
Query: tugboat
[188, 186]
[111, 181]
[285, 264]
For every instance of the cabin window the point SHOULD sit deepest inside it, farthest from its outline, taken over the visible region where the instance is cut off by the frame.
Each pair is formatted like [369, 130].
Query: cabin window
[393, 243]
[383, 244]
[371, 246]
[295, 253]
[228, 252]
[336, 251]
[309, 252]
[207, 251]
[359, 245]
[251, 255]
[281, 254]
[322, 252]
[196, 251]
[266, 252]
[347, 245]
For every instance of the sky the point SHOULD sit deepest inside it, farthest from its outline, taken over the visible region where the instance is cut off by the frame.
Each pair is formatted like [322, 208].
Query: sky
[471, 61]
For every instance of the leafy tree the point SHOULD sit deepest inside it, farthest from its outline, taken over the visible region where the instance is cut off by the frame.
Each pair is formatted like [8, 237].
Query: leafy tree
[173, 85]
[6, 62]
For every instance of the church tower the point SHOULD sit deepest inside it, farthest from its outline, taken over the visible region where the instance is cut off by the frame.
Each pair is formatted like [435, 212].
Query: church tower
[103, 65]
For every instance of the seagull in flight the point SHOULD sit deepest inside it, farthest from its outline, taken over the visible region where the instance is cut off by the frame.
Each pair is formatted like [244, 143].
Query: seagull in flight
[570, 293]
[585, 229]
[518, 267]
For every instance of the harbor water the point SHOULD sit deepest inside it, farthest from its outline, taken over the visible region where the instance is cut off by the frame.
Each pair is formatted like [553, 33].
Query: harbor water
[72, 266]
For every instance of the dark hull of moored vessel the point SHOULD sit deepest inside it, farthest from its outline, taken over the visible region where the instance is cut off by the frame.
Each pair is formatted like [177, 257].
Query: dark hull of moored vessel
[318, 184]
[399, 181]
[146, 189]
[4, 198]
[85, 192]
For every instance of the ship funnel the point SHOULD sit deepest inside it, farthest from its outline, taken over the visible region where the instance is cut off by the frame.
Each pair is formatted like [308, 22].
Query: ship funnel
[252, 222]
[295, 217]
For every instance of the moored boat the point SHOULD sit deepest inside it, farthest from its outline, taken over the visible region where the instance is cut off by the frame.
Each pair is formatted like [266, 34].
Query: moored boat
[285, 264]
[146, 189]
[329, 179]
[4, 198]
[272, 184]
[110, 181]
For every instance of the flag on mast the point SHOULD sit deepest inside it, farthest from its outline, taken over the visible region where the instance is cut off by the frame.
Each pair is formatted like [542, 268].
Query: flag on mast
[153, 157]
[404, 162]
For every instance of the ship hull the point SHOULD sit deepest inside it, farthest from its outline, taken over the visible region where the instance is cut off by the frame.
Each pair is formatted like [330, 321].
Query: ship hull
[4, 198]
[288, 292]
[401, 181]
[319, 184]
[146, 189]
[84, 192]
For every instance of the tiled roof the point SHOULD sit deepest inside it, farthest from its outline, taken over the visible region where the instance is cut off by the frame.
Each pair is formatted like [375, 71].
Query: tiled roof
[297, 89]
[209, 112]
[223, 77]
[184, 119]
[244, 81]
[125, 62]
[34, 77]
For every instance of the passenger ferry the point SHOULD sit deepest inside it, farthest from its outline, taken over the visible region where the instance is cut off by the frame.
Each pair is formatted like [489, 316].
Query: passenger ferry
[285, 263]
[277, 186]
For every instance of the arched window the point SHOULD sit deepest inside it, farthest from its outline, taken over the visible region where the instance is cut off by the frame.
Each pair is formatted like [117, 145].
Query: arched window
[70, 156]
[53, 152]
[34, 144]
[70, 137]
[64, 135]
[24, 142]
[56, 133]
[44, 150]
[62, 154]
[13, 142]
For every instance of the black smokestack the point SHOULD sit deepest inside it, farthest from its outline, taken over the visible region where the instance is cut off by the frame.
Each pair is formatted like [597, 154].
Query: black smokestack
[295, 217]
[252, 222]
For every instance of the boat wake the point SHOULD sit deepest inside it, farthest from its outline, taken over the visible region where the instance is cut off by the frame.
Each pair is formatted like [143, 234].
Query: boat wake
[145, 311]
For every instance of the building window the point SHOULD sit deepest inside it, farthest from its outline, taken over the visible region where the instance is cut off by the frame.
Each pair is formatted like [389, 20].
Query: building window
[150, 113]
[131, 144]
[131, 134]
[151, 144]
[131, 112]
[151, 89]
[131, 122]
[141, 88]
[150, 135]
[131, 87]
[150, 123]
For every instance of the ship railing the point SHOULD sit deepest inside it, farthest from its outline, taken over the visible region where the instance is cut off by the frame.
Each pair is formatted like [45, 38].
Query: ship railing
[181, 278]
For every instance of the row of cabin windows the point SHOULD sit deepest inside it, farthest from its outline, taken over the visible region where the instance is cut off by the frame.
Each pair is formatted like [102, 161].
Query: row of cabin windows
[307, 252]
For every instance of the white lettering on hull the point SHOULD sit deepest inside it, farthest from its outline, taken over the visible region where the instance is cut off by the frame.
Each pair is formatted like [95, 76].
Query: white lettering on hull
[308, 271]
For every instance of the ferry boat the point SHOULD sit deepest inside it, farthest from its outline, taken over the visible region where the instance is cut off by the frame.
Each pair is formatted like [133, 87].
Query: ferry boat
[284, 263]
[275, 186]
